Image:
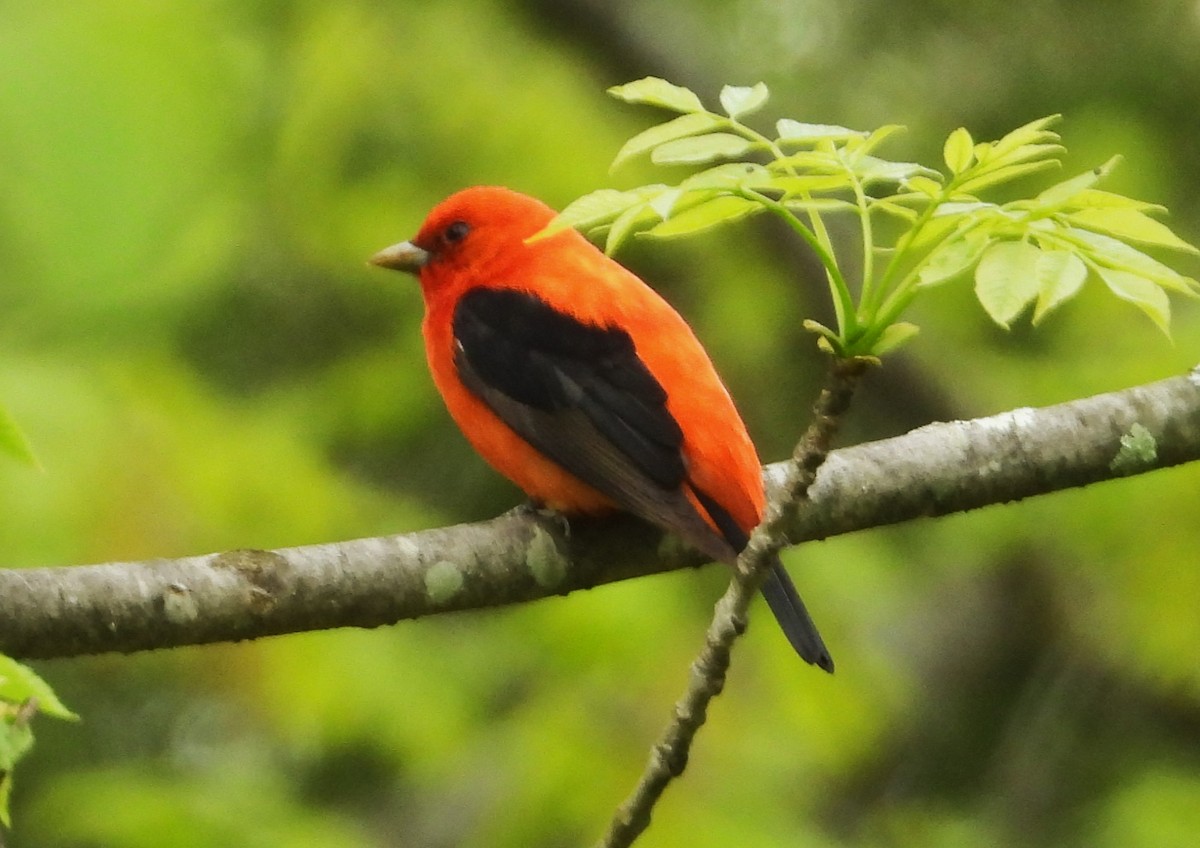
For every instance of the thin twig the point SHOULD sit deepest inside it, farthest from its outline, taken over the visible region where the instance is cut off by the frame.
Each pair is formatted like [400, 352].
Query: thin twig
[669, 756]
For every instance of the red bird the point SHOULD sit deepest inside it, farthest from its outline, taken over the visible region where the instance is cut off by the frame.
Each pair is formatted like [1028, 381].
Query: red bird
[579, 383]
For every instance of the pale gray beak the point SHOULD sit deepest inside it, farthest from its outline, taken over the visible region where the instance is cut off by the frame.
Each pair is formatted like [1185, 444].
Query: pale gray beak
[404, 256]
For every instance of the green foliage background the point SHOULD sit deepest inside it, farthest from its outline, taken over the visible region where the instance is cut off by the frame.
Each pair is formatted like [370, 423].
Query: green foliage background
[201, 359]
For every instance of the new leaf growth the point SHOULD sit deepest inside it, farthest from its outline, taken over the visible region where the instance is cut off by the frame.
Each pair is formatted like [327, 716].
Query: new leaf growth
[1034, 252]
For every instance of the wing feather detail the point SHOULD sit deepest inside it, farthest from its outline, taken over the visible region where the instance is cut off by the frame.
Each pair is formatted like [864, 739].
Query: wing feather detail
[581, 396]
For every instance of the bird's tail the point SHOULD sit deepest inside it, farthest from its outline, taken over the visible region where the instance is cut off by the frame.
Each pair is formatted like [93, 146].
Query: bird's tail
[793, 618]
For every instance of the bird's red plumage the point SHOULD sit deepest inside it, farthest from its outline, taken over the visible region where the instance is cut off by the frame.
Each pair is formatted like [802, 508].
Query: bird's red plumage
[570, 274]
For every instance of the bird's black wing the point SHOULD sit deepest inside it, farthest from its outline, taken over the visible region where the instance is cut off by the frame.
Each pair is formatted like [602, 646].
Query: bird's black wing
[580, 395]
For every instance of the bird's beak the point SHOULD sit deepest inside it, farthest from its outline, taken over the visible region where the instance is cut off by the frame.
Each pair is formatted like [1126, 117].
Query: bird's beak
[404, 256]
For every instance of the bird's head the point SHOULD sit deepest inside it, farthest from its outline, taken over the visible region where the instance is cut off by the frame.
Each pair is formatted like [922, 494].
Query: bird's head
[467, 235]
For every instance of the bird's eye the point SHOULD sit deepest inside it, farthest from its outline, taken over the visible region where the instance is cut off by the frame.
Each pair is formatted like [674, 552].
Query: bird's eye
[456, 232]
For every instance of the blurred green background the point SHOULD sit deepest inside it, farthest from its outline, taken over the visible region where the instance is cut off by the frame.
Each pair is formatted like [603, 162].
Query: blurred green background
[203, 361]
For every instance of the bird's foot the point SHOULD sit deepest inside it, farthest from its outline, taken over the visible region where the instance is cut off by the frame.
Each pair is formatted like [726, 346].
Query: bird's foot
[543, 514]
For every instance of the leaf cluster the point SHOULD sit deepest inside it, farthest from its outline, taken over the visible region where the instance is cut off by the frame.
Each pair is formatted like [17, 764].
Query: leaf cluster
[919, 227]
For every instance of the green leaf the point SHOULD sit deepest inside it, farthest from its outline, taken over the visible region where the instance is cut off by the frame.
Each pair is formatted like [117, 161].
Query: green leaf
[722, 209]
[936, 230]
[1060, 275]
[664, 203]
[964, 207]
[739, 100]
[901, 197]
[959, 150]
[795, 131]
[13, 441]
[1114, 253]
[860, 147]
[590, 211]
[16, 738]
[812, 161]
[983, 151]
[1129, 225]
[819, 204]
[22, 693]
[1143, 293]
[871, 169]
[654, 91]
[1099, 199]
[894, 336]
[1006, 279]
[809, 183]
[1024, 153]
[1032, 133]
[680, 127]
[989, 177]
[952, 258]
[698, 149]
[730, 175]
[892, 206]
[19, 683]
[922, 185]
[627, 223]
[827, 340]
[1064, 192]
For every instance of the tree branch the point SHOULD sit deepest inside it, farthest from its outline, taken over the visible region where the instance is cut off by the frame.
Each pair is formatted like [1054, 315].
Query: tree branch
[521, 556]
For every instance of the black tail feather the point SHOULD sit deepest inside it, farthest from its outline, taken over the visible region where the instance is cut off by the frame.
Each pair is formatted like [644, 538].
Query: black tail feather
[793, 618]
[778, 589]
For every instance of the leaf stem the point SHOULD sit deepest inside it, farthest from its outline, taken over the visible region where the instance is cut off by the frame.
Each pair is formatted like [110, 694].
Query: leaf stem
[900, 251]
[843, 301]
[817, 236]
[868, 248]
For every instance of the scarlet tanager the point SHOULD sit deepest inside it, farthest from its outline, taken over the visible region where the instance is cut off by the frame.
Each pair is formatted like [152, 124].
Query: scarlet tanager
[579, 383]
